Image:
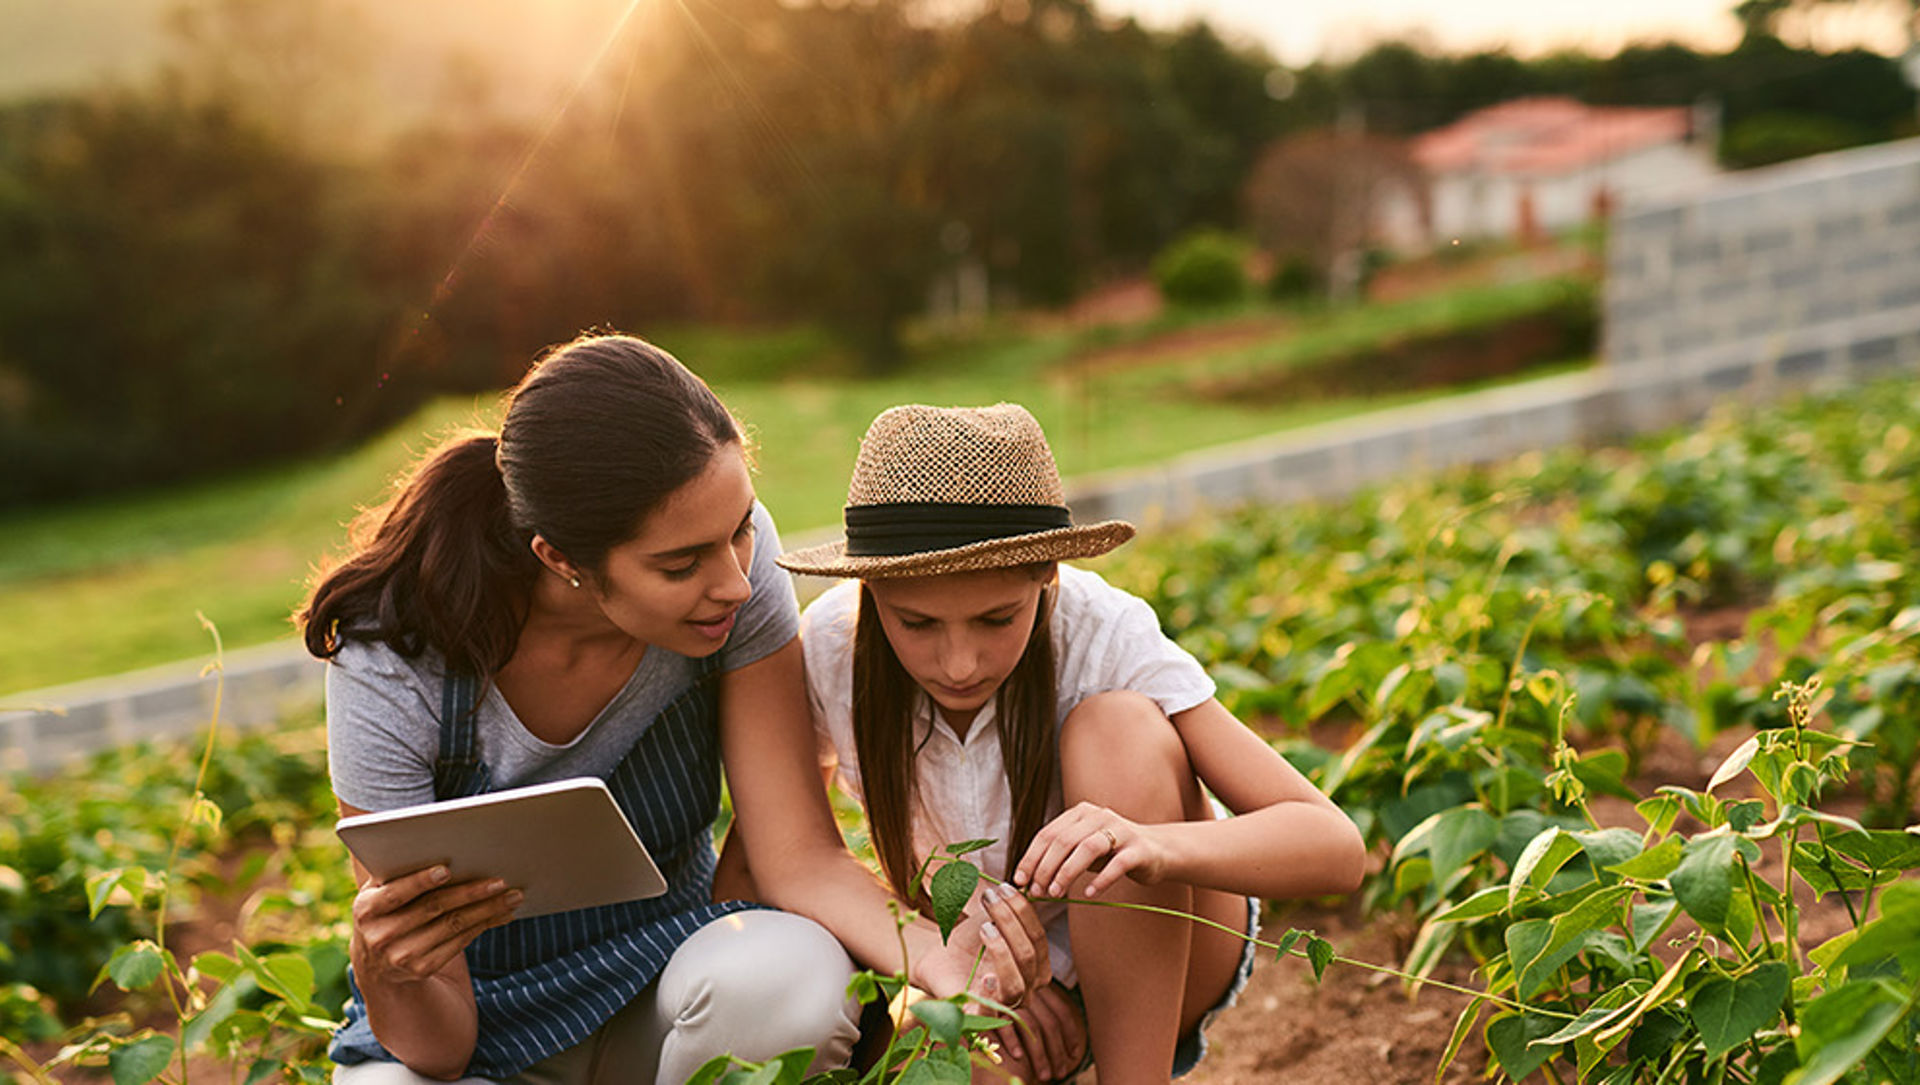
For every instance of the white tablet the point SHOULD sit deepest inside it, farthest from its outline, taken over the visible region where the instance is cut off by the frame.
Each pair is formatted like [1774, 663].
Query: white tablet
[564, 844]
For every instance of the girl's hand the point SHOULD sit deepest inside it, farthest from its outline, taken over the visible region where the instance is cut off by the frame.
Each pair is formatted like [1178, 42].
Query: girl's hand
[407, 930]
[1090, 838]
[1050, 1037]
[1003, 954]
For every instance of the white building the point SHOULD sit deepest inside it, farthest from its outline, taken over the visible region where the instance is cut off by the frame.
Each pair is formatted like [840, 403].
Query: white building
[1537, 165]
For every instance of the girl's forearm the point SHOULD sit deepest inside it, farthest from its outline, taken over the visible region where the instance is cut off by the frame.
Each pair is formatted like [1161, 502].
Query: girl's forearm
[1288, 849]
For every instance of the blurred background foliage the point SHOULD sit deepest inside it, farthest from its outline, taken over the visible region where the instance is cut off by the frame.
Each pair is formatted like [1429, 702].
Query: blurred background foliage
[263, 250]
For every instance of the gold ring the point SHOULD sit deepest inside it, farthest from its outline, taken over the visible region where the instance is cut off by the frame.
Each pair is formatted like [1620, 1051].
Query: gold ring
[1113, 843]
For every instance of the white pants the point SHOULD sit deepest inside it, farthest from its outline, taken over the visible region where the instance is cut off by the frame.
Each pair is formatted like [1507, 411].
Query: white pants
[753, 984]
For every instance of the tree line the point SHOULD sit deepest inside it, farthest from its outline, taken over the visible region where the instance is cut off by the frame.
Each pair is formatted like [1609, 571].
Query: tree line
[212, 268]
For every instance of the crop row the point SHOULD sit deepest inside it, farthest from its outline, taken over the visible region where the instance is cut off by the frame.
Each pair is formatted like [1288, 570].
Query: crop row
[1467, 663]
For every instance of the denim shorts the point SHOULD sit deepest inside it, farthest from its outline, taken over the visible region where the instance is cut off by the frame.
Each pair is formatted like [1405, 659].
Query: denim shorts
[1192, 1046]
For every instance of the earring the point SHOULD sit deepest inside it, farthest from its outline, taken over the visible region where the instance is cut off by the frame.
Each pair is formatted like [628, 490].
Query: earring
[574, 580]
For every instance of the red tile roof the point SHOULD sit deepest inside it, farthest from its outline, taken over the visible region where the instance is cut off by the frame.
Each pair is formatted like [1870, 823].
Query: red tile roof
[1547, 136]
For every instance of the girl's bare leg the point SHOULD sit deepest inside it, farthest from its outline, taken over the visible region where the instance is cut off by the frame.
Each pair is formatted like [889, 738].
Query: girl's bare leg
[1146, 978]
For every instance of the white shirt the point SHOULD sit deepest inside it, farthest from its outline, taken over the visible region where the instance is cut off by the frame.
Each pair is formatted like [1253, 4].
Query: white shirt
[1104, 640]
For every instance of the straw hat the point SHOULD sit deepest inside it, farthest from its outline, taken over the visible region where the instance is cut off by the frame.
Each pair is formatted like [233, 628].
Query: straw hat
[952, 490]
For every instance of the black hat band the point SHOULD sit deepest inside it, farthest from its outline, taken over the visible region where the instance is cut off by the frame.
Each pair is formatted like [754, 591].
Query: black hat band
[919, 527]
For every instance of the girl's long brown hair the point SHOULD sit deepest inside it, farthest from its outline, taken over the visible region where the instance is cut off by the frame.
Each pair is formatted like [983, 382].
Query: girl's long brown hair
[884, 699]
[596, 435]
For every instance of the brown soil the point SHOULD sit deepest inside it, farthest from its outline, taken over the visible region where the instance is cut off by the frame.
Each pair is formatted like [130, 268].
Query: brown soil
[1355, 1026]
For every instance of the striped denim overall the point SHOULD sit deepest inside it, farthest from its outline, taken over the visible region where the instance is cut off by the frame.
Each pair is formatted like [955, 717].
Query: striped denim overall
[545, 983]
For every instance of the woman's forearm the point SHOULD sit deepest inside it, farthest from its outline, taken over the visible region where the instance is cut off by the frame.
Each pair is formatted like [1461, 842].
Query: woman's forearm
[430, 1026]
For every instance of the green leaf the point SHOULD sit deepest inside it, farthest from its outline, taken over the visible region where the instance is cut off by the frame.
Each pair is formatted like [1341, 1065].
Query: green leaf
[1729, 1012]
[1736, 762]
[1667, 988]
[1543, 857]
[1659, 812]
[1827, 873]
[1461, 1029]
[1840, 1027]
[1294, 934]
[943, 1019]
[262, 1069]
[1653, 864]
[100, 887]
[1656, 1034]
[932, 1072]
[950, 888]
[1608, 847]
[1428, 946]
[140, 1061]
[201, 1025]
[1895, 935]
[1650, 919]
[217, 966]
[1604, 772]
[1703, 880]
[1590, 1020]
[287, 976]
[1320, 954]
[136, 965]
[1489, 901]
[1538, 947]
[967, 846]
[1879, 848]
[1745, 814]
[1461, 835]
[1510, 1037]
[711, 1070]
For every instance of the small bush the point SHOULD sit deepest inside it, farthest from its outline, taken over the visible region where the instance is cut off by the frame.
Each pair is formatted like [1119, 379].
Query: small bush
[1294, 277]
[1203, 268]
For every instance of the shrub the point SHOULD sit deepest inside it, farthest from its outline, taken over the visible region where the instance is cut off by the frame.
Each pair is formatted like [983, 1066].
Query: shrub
[1203, 268]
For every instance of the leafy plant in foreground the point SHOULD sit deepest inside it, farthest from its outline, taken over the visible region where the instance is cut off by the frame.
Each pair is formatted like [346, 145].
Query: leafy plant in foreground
[255, 1005]
[1678, 958]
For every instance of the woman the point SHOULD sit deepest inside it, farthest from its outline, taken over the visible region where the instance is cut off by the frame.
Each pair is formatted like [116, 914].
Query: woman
[592, 592]
[970, 686]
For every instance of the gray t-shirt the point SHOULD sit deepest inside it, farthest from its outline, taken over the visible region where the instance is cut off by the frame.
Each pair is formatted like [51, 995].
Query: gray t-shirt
[383, 710]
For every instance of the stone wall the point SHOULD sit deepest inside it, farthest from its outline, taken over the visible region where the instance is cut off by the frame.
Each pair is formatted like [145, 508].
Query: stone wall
[1768, 280]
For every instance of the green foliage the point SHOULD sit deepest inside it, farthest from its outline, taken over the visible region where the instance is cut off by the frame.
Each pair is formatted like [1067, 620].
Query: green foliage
[182, 292]
[1766, 138]
[139, 835]
[1203, 268]
[1743, 997]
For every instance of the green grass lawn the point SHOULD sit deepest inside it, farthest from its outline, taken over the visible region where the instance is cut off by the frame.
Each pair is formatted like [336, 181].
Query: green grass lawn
[111, 586]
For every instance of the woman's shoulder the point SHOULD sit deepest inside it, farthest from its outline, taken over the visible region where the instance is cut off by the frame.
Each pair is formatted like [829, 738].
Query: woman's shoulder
[378, 661]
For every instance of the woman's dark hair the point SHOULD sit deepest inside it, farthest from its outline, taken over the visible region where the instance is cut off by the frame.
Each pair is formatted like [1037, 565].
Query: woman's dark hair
[595, 436]
[884, 699]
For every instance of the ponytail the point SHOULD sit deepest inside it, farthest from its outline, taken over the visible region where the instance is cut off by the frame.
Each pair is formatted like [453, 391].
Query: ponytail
[440, 566]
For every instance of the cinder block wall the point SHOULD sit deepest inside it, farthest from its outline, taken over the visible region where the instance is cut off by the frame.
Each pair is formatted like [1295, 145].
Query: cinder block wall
[1770, 279]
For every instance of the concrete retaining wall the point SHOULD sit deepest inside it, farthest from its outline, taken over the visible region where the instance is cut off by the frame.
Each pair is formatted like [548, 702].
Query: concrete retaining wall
[1802, 275]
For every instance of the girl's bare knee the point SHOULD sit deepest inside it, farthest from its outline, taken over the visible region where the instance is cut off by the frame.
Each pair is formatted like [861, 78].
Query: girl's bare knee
[1121, 725]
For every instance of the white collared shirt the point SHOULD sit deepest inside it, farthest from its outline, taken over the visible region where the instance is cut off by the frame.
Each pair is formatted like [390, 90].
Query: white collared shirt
[1104, 640]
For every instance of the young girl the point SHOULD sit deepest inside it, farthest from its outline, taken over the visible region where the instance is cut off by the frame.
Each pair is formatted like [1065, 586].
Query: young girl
[969, 686]
[591, 591]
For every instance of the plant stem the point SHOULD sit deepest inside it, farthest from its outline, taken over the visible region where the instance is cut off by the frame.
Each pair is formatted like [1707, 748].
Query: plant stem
[219, 669]
[1301, 953]
[33, 1069]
